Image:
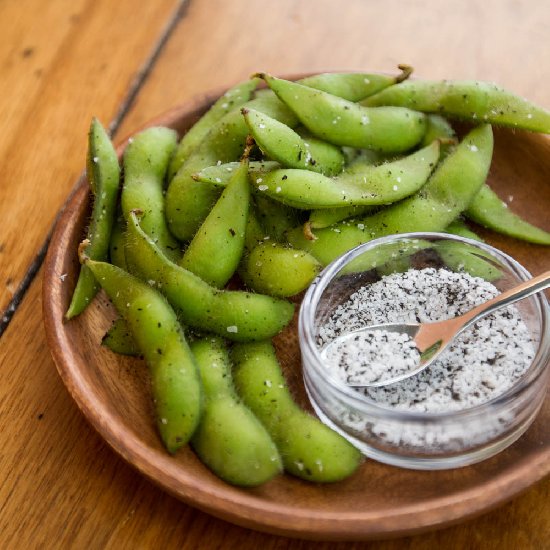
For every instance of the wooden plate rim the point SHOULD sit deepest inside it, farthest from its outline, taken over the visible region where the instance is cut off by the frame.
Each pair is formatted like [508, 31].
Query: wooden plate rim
[233, 504]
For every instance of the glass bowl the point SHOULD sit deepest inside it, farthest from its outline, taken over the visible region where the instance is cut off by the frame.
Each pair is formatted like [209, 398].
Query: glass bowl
[422, 440]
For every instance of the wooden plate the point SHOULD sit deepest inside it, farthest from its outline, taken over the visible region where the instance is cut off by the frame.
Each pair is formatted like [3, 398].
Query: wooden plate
[379, 500]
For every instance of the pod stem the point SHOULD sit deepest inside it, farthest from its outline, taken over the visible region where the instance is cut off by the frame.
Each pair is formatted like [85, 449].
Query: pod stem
[249, 145]
[82, 256]
[406, 71]
[308, 233]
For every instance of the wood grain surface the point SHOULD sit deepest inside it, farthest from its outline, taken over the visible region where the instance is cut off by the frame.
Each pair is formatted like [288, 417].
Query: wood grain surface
[69, 61]
[62, 486]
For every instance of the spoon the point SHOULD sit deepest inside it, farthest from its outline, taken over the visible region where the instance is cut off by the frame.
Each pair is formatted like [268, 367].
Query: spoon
[431, 339]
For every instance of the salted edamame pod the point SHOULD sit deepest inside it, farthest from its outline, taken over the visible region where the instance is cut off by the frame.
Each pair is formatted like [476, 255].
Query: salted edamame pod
[309, 449]
[488, 210]
[119, 339]
[465, 99]
[441, 200]
[379, 185]
[216, 249]
[464, 257]
[341, 122]
[175, 382]
[275, 218]
[239, 316]
[282, 144]
[231, 100]
[103, 173]
[277, 270]
[355, 86]
[116, 243]
[359, 163]
[230, 440]
[145, 163]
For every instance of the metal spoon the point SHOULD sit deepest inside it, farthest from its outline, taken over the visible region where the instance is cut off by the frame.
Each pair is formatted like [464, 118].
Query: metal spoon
[431, 339]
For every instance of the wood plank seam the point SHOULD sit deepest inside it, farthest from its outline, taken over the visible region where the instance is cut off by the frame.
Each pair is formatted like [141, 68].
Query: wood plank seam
[125, 106]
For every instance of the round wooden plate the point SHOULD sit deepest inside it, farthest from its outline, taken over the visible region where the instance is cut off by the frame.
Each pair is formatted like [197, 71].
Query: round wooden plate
[379, 500]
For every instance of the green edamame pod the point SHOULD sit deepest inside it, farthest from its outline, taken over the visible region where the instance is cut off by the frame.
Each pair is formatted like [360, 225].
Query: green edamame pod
[354, 86]
[230, 440]
[458, 227]
[103, 174]
[119, 339]
[175, 379]
[358, 166]
[325, 217]
[465, 99]
[220, 174]
[464, 257]
[309, 449]
[231, 100]
[284, 145]
[377, 185]
[341, 122]
[239, 316]
[275, 218]
[350, 86]
[216, 249]
[188, 201]
[145, 161]
[489, 210]
[439, 128]
[254, 232]
[116, 244]
[447, 193]
[276, 270]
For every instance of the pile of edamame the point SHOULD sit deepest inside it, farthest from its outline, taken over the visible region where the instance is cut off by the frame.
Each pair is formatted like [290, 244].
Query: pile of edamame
[326, 163]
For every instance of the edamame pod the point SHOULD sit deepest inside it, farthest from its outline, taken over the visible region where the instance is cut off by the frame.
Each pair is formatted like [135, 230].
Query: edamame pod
[285, 146]
[103, 174]
[230, 440]
[341, 122]
[325, 217]
[276, 270]
[119, 339]
[145, 163]
[116, 244]
[465, 99]
[464, 257]
[220, 174]
[355, 86]
[275, 218]
[309, 449]
[378, 185]
[439, 128]
[188, 201]
[175, 382]
[447, 193]
[254, 232]
[216, 249]
[239, 316]
[489, 210]
[231, 100]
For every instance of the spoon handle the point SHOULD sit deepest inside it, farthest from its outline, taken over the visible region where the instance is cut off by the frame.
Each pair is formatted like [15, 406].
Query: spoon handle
[532, 286]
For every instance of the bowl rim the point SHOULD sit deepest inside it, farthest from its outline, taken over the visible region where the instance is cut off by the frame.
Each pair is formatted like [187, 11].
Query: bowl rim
[540, 365]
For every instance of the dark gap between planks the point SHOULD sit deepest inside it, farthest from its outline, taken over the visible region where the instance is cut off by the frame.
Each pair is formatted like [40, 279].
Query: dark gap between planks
[125, 106]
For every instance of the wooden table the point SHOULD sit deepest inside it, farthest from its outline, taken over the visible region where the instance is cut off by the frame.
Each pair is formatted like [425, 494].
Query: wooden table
[62, 62]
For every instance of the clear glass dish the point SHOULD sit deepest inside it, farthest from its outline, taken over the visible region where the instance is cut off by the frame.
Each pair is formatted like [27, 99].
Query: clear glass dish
[442, 440]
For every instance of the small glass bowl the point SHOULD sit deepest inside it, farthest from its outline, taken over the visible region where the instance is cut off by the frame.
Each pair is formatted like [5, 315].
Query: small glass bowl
[442, 440]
